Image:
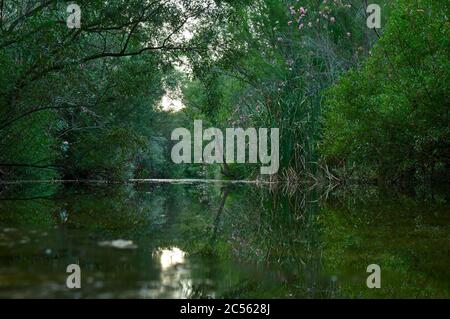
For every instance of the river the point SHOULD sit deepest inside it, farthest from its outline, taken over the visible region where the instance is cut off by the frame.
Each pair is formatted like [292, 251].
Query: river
[222, 240]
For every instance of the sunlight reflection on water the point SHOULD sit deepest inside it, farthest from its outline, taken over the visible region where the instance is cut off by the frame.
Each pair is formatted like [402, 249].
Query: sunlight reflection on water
[175, 277]
[171, 257]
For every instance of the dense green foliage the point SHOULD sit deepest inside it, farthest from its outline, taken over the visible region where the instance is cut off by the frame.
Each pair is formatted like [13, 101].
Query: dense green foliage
[85, 103]
[349, 101]
[273, 67]
[391, 116]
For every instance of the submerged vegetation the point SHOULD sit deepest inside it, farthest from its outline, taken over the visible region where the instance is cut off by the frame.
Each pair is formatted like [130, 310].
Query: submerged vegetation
[350, 102]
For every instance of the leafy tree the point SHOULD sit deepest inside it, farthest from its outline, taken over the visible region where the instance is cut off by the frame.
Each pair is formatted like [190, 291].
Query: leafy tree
[82, 102]
[390, 118]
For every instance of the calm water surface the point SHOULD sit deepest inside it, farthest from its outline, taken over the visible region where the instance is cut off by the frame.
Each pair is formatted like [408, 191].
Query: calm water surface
[221, 241]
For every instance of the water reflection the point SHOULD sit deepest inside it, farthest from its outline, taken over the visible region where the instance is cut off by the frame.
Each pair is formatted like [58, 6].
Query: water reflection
[175, 276]
[207, 241]
[170, 257]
